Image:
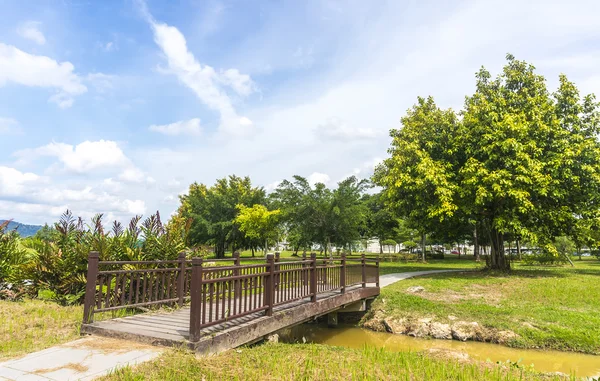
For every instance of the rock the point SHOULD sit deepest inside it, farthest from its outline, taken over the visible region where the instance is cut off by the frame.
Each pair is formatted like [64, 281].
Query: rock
[452, 317]
[395, 326]
[503, 337]
[415, 289]
[274, 338]
[464, 331]
[419, 329]
[375, 323]
[440, 331]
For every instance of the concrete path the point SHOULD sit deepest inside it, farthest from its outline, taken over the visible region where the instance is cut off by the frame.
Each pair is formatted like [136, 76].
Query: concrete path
[387, 279]
[82, 359]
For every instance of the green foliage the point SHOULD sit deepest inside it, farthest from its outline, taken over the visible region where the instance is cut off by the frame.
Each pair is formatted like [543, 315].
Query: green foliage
[53, 263]
[317, 214]
[257, 222]
[213, 210]
[521, 161]
[12, 254]
[381, 221]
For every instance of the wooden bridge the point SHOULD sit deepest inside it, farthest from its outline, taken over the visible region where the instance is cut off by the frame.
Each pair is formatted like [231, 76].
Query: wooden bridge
[230, 304]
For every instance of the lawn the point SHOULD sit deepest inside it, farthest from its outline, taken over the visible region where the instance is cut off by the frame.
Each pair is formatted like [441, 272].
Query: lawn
[547, 307]
[315, 362]
[33, 325]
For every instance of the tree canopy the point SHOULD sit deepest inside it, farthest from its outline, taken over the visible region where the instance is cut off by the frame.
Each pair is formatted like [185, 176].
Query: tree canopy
[518, 159]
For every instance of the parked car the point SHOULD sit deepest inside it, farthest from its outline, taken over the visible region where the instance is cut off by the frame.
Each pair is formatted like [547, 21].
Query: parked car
[455, 252]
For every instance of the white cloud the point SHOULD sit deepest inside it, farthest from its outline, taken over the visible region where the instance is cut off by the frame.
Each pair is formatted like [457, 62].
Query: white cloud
[203, 80]
[240, 83]
[13, 181]
[8, 125]
[101, 82]
[17, 66]
[317, 177]
[272, 186]
[337, 129]
[184, 127]
[30, 30]
[84, 157]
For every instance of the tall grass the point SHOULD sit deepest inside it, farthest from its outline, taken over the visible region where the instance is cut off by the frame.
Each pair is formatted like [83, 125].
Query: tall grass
[315, 362]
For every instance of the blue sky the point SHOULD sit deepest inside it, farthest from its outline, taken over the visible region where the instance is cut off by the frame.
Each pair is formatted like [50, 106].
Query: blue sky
[117, 106]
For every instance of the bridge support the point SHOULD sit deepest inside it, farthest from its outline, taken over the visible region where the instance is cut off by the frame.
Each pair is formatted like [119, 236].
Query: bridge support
[332, 319]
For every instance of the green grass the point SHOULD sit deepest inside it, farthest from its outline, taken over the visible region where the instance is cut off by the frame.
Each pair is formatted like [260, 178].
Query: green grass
[548, 307]
[33, 325]
[432, 264]
[315, 362]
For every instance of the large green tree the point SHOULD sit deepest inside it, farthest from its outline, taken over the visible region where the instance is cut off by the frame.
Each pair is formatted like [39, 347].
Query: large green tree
[258, 222]
[381, 221]
[213, 211]
[419, 180]
[317, 214]
[522, 161]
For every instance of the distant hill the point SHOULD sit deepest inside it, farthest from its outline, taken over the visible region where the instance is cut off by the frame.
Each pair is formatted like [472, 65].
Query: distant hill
[24, 230]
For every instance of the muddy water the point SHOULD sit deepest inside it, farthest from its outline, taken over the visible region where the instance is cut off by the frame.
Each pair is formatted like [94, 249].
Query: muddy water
[544, 361]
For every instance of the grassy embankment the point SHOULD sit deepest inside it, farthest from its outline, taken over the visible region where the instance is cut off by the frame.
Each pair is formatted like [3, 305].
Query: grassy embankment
[33, 325]
[316, 362]
[547, 307]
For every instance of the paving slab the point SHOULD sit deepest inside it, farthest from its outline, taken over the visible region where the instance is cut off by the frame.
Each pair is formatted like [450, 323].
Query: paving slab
[83, 359]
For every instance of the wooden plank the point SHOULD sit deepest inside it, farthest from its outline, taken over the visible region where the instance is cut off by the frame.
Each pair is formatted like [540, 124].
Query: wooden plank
[126, 331]
[149, 328]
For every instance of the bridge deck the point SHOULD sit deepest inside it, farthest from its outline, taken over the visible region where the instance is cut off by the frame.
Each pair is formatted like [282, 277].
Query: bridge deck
[172, 328]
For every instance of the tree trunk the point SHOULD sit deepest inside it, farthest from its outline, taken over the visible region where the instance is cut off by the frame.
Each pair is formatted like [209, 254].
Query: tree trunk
[579, 251]
[266, 243]
[423, 238]
[252, 251]
[475, 244]
[519, 249]
[220, 250]
[497, 259]
[380, 247]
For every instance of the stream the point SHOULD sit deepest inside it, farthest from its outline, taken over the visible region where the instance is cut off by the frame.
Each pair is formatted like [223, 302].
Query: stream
[582, 365]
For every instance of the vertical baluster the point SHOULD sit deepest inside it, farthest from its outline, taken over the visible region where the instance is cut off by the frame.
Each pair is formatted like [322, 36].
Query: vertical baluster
[211, 288]
[101, 292]
[107, 296]
[124, 278]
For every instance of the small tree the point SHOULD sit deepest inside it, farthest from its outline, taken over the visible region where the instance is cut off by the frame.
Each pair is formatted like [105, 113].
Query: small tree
[257, 222]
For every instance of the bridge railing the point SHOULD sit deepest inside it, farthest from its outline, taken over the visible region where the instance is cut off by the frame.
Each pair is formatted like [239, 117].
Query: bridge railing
[219, 291]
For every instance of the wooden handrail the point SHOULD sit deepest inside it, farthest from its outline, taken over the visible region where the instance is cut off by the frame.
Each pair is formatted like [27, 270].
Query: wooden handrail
[220, 293]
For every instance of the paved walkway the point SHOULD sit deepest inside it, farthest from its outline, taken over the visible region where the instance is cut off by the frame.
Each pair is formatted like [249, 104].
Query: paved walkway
[387, 279]
[91, 357]
[83, 359]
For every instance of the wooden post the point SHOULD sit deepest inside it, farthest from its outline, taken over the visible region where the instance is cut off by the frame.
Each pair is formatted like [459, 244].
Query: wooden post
[196, 300]
[313, 277]
[270, 284]
[377, 275]
[181, 280]
[364, 270]
[90, 287]
[237, 290]
[343, 273]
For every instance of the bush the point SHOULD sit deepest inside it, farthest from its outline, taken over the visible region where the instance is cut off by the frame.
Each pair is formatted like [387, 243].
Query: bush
[56, 267]
[434, 255]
